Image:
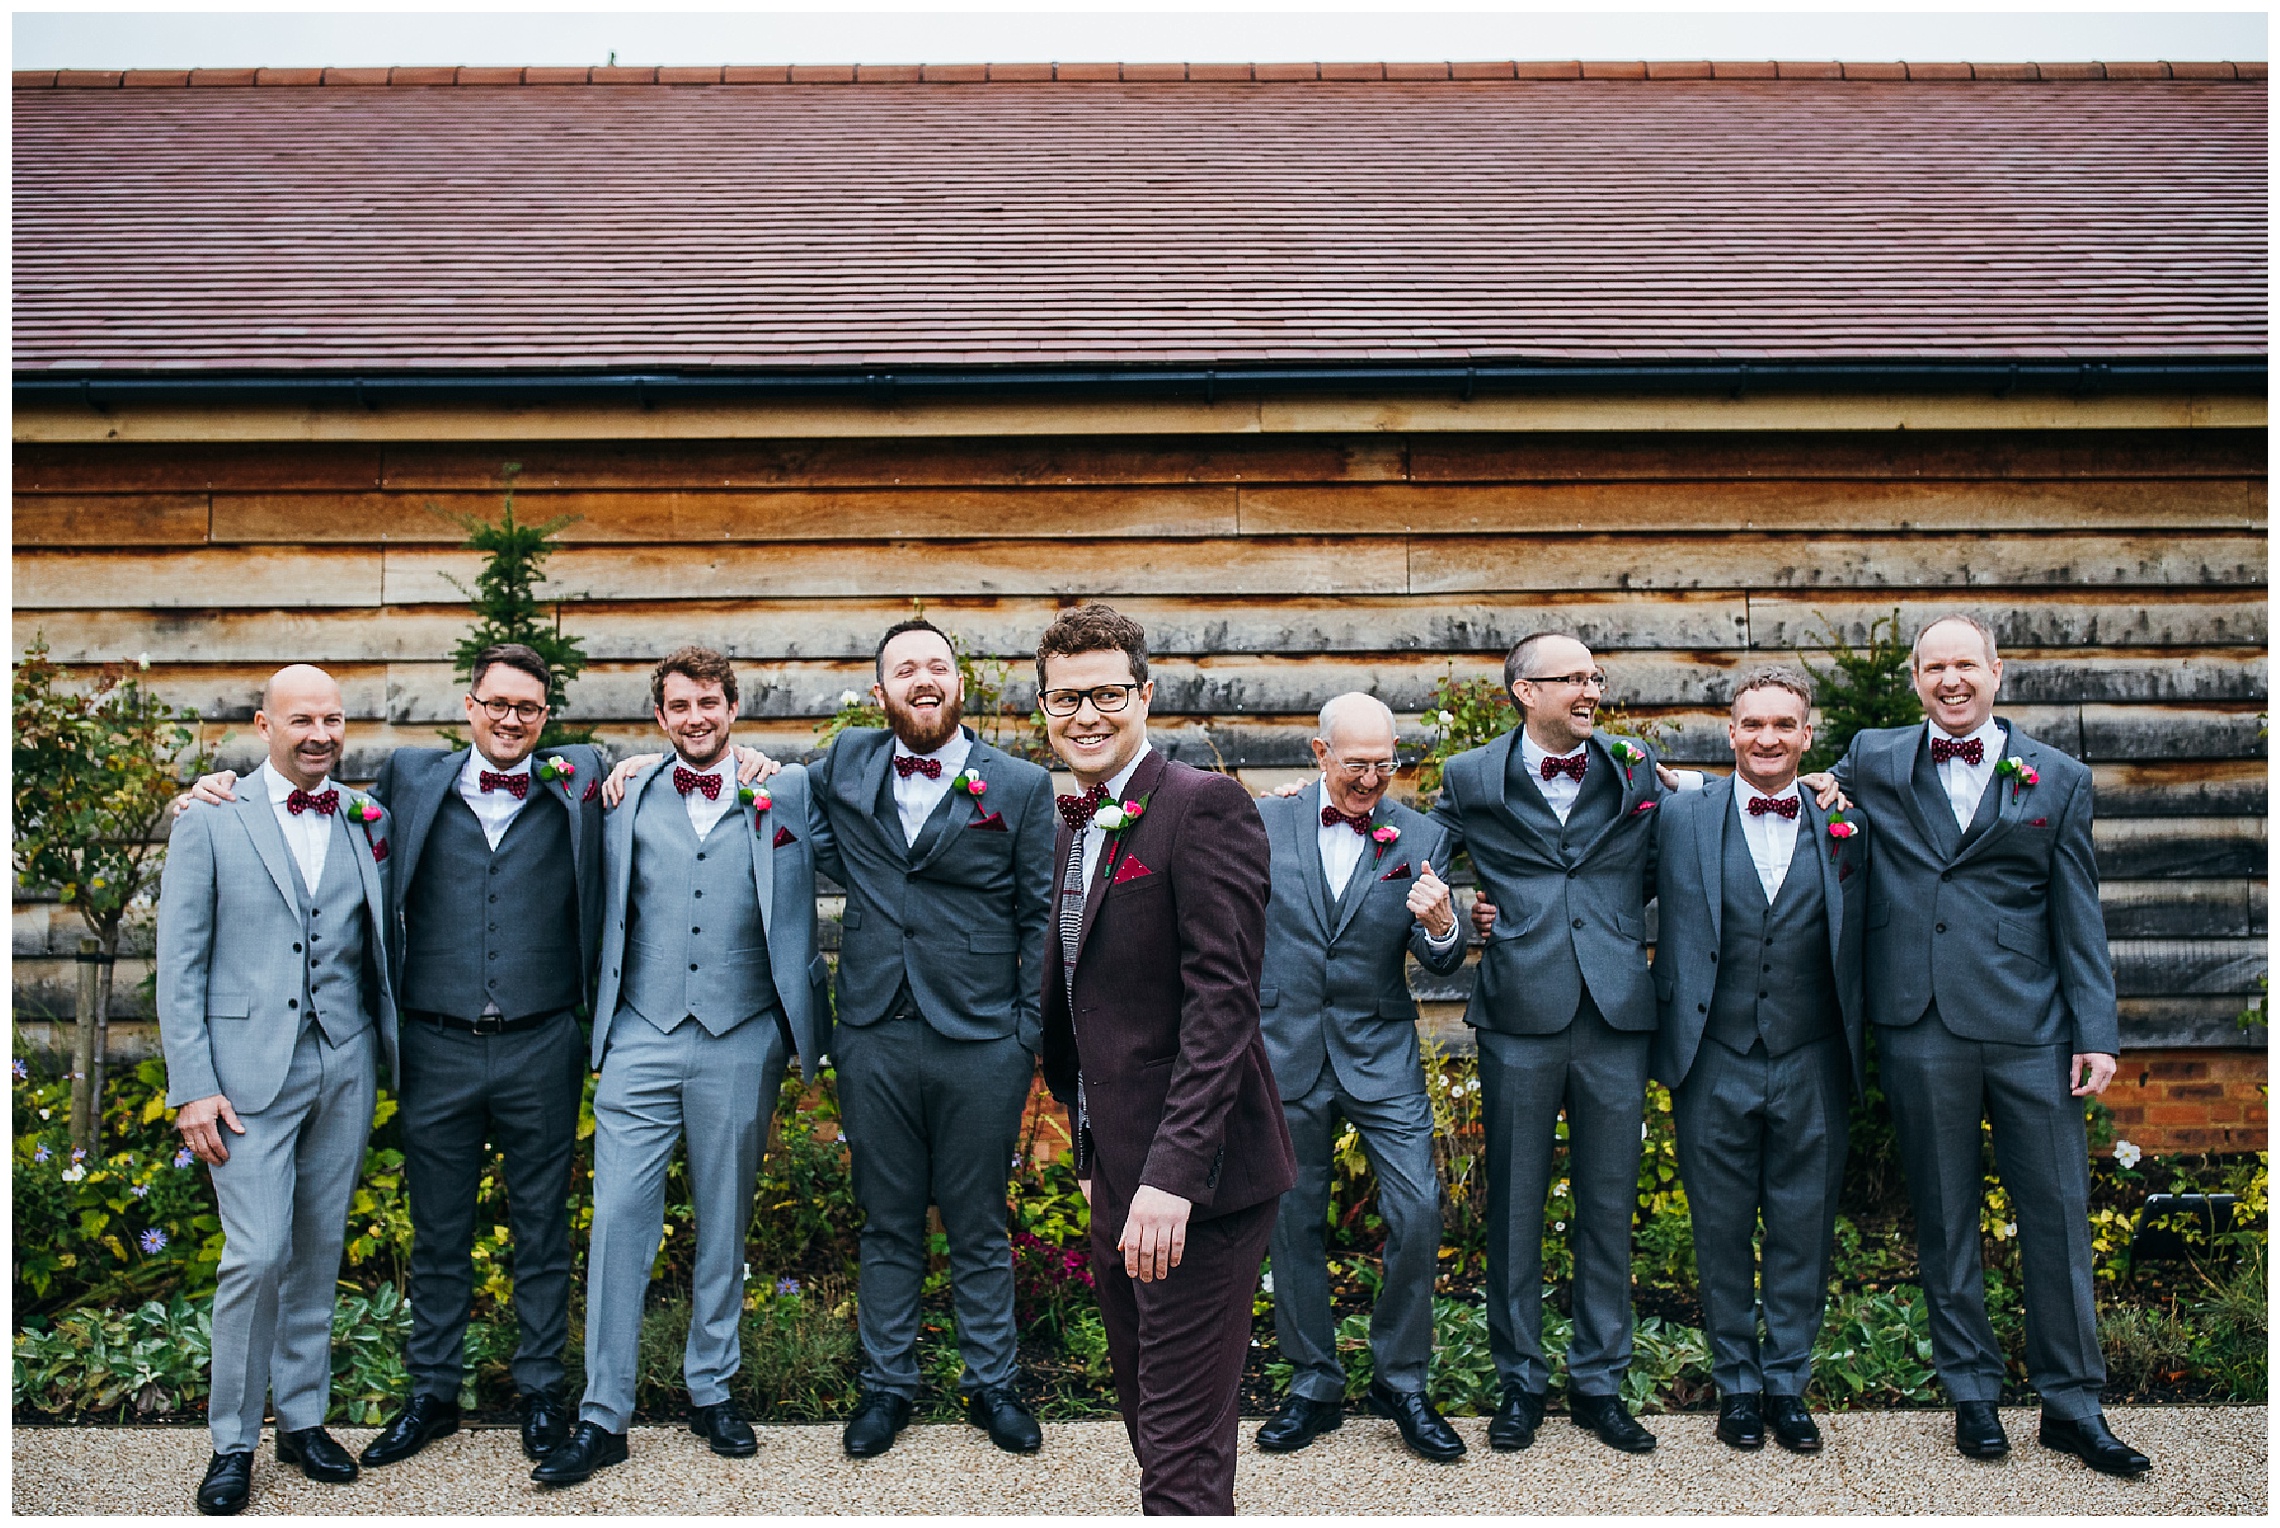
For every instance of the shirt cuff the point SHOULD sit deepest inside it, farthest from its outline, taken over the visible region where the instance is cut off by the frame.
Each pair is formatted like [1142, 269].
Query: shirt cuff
[1690, 779]
[1443, 941]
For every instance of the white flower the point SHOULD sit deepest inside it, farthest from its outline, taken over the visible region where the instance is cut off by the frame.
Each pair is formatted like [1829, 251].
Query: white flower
[1448, 718]
[1267, 1282]
[1642, 1130]
[142, 660]
[1109, 818]
[850, 698]
[2010, 1228]
[1559, 1225]
[2127, 1154]
[74, 1172]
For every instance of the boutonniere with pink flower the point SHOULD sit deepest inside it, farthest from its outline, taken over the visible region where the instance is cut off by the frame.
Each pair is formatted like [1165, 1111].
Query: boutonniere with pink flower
[1385, 835]
[2019, 772]
[969, 782]
[363, 809]
[556, 770]
[1115, 818]
[757, 799]
[1628, 754]
[1840, 829]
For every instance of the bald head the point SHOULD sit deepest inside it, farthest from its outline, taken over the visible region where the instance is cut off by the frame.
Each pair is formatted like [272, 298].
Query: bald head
[1357, 718]
[1354, 744]
[303, 722]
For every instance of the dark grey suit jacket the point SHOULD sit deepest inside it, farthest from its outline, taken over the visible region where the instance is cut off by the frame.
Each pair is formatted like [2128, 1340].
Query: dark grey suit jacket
[963, 911]
[1335, 986]
[1689, 883]
[1999, 926]
[415, 782]
[1556, 932]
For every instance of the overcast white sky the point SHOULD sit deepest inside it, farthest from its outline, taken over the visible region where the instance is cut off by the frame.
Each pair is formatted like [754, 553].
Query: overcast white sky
[920, 33]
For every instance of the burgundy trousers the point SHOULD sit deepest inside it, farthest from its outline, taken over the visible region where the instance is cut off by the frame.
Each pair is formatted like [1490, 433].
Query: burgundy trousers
[1177, 1346]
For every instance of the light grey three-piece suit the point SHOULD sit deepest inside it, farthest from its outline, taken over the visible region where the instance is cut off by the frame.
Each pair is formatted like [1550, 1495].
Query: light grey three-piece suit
[280, 1001]
[709, 981]
[1341, 1033]
[1760, 1044]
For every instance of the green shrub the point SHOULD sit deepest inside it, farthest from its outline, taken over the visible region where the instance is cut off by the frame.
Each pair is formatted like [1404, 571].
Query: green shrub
[2232, 1347]
[2144, 1347]
[146, 1362]
[1876, 1348]
[800, 1353]
[368, 1337]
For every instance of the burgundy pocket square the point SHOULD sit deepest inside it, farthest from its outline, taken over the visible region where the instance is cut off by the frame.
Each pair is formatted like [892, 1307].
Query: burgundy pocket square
[379, 851]
[1396, 873]
[1642, 808]
[785, 836]
[988, 822]
[593, 791]
[1130, 870]
[2040, 822]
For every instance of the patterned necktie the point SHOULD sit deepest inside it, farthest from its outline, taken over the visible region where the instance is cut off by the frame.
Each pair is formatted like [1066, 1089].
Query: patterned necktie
[909, 764]
[1572, 767]
[517, 786]
[1786, 807]
[324, 803]
[1077, 811]
[1359, 821]
[1971, 750]
[686, 780]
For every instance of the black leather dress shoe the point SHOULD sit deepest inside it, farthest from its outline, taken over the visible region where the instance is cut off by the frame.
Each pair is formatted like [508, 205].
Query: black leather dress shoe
[1979, 1431]
[2092, 1442]
[1516, 1420]
[1422, 1428]
[1299, 1423]
[545, 1423]
[321, 1459]
[1011, 1425]
[1791, 1424]
[1605, 1417]
[1741, 1420]
[871, 1431]
[586, 1450]
[724, 1429]
[228, 1482]
[425, 1419]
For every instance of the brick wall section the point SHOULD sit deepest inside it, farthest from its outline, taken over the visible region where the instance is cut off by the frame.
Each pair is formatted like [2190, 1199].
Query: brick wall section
[2170, 1101]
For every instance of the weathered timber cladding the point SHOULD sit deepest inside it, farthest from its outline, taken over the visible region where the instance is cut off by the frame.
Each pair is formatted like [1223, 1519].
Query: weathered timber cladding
[2124, 570]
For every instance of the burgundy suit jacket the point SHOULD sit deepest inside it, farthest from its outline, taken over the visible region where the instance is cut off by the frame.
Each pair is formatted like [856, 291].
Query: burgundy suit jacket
[1166, 994]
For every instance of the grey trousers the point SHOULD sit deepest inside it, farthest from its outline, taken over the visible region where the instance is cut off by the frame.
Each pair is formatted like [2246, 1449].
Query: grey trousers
[284, 1196]
[719, 1091]
[1397, 1137]
[1597, 1074]
[931, 1120]
[1760, 1134]
[463, 1094]
[1940, 1087]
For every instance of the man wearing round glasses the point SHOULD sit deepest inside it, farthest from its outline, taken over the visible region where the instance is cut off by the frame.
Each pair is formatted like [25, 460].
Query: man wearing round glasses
[1355, 893]
[497, 914]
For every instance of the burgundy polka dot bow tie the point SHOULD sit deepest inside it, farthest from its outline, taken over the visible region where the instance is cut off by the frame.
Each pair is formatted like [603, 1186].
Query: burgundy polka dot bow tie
[1971, 750]
[1760, 806]
[324, 803]
[686, 780]
[1359, 821]
[1572, 767]
[909, 764]
[1077, 811]
[517, 786]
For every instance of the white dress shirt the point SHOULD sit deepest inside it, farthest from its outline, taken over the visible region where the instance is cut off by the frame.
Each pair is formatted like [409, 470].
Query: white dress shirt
[494, 809]
[306, 834]
[1966, 783]
[916, 797]
[1342, 850]
[1095, 838]
[1772, 837]
[1560, 791]
[704, 812]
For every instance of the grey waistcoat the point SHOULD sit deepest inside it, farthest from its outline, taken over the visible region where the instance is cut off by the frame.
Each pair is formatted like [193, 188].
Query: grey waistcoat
[333, 926]
[484, 926]
[1598, 801]
[1775, 982]
[695, 944]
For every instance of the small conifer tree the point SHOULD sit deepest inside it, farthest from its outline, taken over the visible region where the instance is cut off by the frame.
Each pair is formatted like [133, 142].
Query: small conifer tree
[1864, 687]
[507, 607]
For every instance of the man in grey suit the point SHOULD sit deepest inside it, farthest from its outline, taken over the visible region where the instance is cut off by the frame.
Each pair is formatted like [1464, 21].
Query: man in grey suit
[709, 981]
[1758, 980]
[274, 1006]
[1560, 825]
[496, 882]
[1355, 893]
[1992, 992]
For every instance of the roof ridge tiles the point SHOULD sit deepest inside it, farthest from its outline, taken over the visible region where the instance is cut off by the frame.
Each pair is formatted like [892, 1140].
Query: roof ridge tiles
[1135, 73]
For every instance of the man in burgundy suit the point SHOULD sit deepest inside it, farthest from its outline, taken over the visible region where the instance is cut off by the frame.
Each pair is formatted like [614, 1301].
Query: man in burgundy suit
[1151, 1018]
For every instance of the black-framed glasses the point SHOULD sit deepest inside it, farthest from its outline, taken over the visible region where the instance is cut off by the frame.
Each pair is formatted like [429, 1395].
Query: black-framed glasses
[1107, 699]
[525, 711]
[1595, 680]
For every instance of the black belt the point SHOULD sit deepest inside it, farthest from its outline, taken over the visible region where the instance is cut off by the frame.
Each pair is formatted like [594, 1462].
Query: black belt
[486, 1024]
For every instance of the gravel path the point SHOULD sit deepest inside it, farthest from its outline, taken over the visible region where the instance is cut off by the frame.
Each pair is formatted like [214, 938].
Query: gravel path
[2206, 1460]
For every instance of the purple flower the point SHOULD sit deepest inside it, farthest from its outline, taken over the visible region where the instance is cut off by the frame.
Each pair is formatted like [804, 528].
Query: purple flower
[787, 1286]
[16, 1065]
[182, 1157]
[140, 1191]
[154, 1240]
[78, 1153]
[40, 1153]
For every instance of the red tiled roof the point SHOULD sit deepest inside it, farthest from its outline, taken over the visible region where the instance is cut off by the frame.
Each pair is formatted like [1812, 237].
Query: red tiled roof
[302, 221]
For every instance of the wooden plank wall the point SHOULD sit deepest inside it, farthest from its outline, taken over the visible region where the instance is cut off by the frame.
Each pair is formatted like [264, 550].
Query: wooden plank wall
[2125, 571]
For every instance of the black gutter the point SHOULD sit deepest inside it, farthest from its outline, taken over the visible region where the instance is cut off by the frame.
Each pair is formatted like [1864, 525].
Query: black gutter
[1733, 379]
